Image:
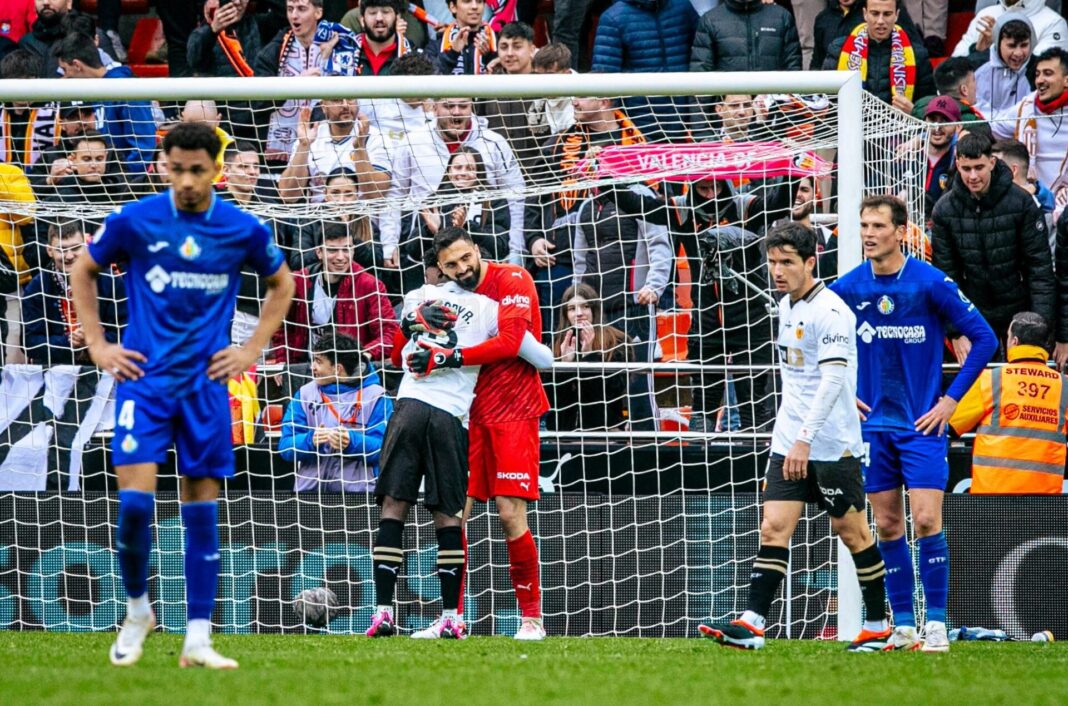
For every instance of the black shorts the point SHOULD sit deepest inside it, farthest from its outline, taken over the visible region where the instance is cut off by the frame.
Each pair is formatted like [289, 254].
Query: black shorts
[838, 486]
[424, 441]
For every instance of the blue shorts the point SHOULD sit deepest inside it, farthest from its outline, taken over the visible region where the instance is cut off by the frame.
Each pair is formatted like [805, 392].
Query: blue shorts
[905, 458]
[148, 421]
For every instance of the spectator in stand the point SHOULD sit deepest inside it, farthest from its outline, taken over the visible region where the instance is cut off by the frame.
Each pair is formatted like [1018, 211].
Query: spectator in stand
[528, 122]
[19, 262]
[735, 118]
[106, 48]
[550, 217]
[806, 201]
[932, 19]
[9, 294]
[52, 333]
[335, 425]
[1048, 26]
[954, 78]
[468, 45]
[130, 125]
[839, 19]
[649, 36]
[26, 130]
[52, 166]
[154, 181]
[227, 44]
[1037, 122]
[990, 237]
[243, 177]
[720, 230]
[409, 27]
[343, 139]
[420, 166]
[569, 17]
[942, 115]
[16, 18]
[309, 47]
[395, 119]
[878, 48]
[337, 296]
[1014, 154]
[382, 40]
[587, 399]
[486, 221]
[341, 189]
[207, 112]
[1004, 79]
[91, 180]
[45, 32]
[746, 35]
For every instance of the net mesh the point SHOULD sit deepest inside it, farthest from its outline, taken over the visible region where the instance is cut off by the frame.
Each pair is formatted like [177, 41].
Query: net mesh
[656, 206]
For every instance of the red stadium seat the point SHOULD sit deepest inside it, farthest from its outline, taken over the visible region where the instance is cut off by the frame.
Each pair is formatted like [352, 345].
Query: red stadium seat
[148, 35]
[956, 26]
[129, 7]
[936, 60]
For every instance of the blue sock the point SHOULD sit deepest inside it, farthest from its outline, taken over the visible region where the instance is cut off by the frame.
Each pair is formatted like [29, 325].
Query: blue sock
[201, 520]
[134, 539]
[934, 574]
[900, 582]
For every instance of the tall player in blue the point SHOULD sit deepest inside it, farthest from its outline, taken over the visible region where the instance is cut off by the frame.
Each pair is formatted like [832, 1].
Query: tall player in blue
[903, 306]
[182, 252]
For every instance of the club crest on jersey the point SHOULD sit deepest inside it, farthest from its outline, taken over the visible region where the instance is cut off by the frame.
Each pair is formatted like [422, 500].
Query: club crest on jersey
[885, 305]
[189, 249]
[129, 444]
[800, 330]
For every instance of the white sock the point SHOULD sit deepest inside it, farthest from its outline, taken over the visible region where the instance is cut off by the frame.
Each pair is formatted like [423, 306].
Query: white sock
[450, 614]
[197, 633]
[754, 619]
[876, 625]
[935, 624]
[138, 608]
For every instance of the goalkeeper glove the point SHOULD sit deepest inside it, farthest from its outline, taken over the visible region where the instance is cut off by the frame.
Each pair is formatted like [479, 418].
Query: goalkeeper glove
[434, 317]
[429, 358]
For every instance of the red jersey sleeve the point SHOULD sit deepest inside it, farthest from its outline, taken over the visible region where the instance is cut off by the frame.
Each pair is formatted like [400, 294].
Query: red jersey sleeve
[517, 302]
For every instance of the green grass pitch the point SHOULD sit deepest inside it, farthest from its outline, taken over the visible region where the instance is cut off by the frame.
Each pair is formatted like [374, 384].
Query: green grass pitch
[50, 668]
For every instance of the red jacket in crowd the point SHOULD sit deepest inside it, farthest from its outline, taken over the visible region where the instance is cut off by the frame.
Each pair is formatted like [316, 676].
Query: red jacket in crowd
[361, 310]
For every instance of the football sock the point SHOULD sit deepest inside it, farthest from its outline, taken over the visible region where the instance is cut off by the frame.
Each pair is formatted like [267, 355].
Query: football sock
[870, 572]
[900, 582]
[524, 571]
[388, 556]
[201, 520]
[450, 565]
[934, 574]
[463, 574]
[769, 570]
[134, 539]
[139, 608]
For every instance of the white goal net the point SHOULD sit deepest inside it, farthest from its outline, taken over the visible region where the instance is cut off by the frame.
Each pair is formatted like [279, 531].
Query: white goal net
[640, 218]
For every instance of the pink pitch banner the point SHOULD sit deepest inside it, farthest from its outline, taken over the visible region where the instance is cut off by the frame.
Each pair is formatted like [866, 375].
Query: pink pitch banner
[709, 160]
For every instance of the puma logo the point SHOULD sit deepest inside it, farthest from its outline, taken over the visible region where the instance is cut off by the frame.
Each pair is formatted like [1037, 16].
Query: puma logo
[450, 572]
[387, 567]
[525, 486]
[523, 586]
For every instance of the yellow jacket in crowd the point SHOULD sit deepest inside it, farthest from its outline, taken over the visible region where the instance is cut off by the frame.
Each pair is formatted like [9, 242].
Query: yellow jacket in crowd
[14, 186]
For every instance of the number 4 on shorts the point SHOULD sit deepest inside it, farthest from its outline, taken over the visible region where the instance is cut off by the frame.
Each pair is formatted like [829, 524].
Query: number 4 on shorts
[126, 415]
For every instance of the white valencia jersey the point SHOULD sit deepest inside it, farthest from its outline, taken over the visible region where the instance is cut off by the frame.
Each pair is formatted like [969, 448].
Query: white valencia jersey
[818, 329]
[448, 389]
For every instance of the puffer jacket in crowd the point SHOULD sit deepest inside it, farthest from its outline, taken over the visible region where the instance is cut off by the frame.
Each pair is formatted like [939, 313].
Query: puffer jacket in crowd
[834, 22]
[996, 249]
[648, 36]
[746, 35]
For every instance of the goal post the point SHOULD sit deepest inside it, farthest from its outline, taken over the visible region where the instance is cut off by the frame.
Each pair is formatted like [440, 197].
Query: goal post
[659, 548]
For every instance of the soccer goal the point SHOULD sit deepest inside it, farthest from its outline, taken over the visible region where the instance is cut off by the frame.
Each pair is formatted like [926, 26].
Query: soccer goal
[645, 195]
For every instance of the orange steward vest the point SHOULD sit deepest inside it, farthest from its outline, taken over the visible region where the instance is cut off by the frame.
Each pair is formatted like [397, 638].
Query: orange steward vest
[1020, 439]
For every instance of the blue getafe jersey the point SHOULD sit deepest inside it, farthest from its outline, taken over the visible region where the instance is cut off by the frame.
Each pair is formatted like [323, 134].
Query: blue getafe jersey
[182, 276]
[901, 322]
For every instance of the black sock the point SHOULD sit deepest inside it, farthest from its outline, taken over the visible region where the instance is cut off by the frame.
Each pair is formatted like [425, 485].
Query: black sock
[870, 573]
[388, 556]
[450, 564]
[769, 570]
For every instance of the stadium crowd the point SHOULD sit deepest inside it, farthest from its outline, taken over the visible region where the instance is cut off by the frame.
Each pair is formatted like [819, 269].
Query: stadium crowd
[332, 177]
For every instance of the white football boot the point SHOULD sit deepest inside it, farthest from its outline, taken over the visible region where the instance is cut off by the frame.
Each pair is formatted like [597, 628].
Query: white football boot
[936, 639]
[129, 643]
[204, 655]
[531, 630]
[904, 638]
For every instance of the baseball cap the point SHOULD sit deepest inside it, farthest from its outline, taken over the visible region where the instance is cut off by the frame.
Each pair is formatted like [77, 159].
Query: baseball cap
[68, 107]
[946, 107]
